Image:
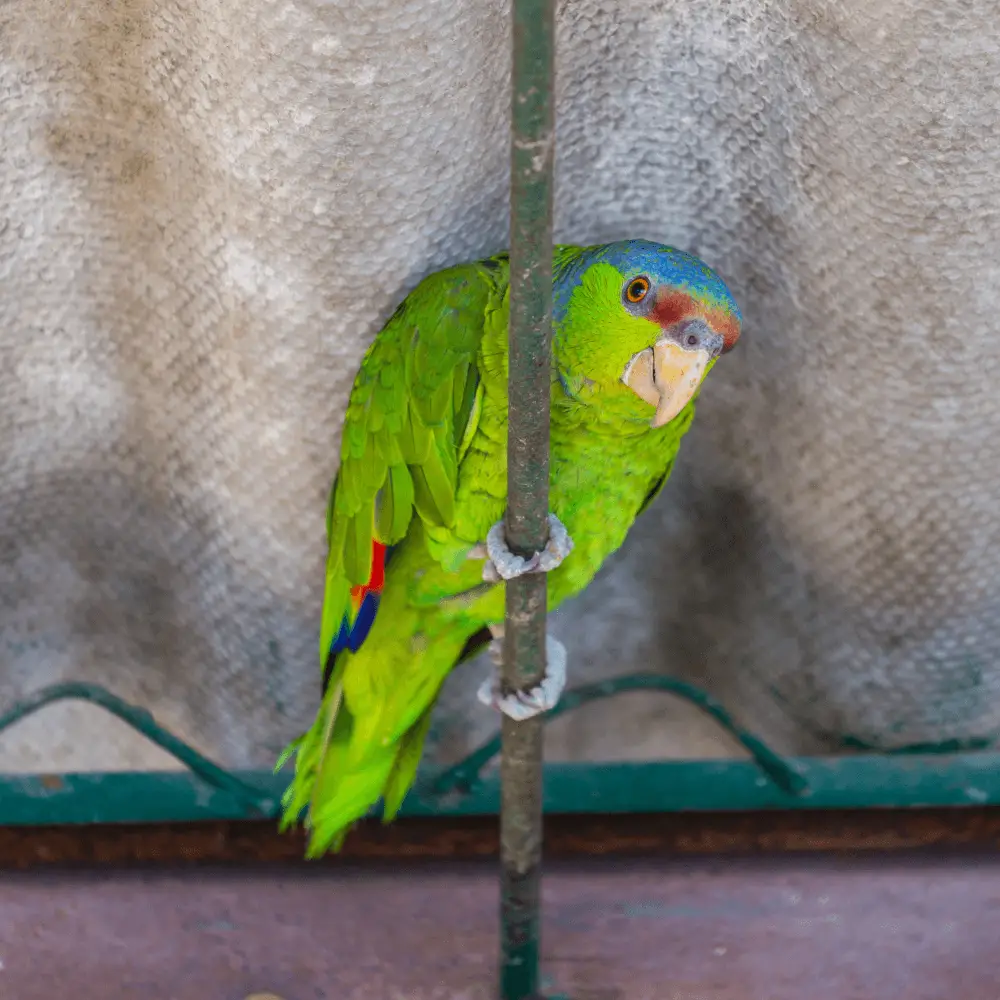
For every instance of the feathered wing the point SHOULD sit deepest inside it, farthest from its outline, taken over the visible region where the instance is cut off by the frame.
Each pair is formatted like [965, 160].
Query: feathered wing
[412, 410]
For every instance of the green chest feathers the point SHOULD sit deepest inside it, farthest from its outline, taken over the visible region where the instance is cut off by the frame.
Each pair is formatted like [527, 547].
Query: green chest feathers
[599, 484]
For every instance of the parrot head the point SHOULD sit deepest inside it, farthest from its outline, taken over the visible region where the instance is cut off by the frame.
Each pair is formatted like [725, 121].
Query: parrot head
[638, 325]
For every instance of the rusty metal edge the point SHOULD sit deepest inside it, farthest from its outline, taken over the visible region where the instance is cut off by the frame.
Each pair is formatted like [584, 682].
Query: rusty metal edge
[476, 837]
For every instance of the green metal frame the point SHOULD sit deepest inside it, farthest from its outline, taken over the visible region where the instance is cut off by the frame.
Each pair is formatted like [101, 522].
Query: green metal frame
[203, 790]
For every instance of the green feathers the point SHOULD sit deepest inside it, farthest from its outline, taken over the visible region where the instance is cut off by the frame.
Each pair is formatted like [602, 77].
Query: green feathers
[412, 399]
[412, 415]
[423, 472]
[394, 505]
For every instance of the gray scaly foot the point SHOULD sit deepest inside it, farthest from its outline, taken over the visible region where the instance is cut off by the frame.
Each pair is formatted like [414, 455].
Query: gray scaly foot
[502, 564]
[521, 705]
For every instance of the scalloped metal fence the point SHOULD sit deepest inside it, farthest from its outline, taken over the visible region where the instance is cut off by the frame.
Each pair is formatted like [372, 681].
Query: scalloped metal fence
[203, 790]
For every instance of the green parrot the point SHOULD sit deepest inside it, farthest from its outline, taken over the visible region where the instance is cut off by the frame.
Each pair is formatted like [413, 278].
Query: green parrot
[417, 556]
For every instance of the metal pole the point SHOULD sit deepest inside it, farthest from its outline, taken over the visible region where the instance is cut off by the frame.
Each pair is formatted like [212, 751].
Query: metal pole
[532, 143]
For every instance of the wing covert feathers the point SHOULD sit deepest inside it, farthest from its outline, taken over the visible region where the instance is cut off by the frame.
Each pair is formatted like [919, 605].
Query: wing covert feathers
[412, 413]
[412, 410]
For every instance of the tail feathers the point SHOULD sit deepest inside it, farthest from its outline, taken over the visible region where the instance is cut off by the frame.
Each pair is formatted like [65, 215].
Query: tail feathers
[335, 785]
[409, 750]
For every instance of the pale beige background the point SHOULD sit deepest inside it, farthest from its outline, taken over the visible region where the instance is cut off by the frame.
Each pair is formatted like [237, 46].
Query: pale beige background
[207, 207]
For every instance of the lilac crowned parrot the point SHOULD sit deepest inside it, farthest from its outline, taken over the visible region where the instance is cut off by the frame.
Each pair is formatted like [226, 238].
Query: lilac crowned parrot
[417, 558]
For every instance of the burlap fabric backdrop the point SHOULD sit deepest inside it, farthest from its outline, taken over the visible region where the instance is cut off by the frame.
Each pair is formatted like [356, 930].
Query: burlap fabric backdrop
[208, 208]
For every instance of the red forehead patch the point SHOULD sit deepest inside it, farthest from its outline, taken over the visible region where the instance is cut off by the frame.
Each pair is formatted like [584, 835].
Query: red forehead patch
[672, 307]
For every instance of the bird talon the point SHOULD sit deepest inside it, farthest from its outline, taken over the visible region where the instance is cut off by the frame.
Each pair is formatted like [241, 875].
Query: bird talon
[502, 564]
[521, 705]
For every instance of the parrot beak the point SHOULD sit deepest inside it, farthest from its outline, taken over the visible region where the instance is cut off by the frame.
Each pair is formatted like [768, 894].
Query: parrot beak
[666, 376]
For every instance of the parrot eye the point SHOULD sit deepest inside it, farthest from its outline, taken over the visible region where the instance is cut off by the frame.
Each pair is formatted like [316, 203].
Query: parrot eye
[691, 339]
[637, 289]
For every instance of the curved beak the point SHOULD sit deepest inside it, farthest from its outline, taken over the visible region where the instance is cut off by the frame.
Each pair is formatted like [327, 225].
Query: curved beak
[666, 376]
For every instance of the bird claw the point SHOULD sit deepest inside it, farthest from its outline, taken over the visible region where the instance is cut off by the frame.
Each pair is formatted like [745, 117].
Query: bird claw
[502, 564]
[521, 705]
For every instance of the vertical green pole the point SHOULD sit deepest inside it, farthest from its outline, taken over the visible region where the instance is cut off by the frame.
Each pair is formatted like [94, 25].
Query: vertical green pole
[532, 144]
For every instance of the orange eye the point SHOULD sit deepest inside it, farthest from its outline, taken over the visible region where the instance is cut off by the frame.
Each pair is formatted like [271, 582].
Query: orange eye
[636, 289]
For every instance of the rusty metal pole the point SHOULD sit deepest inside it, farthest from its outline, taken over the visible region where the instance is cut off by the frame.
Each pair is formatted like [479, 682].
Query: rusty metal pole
[530, 338]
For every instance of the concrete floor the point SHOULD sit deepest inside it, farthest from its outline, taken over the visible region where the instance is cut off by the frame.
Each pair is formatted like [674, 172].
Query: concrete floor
[905, 928]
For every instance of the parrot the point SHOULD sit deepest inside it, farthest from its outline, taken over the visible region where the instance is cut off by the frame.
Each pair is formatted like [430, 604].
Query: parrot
[417, 560]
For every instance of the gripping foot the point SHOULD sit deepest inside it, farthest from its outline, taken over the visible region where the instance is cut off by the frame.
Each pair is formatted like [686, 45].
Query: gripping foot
[502, 564]
[521, 705]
